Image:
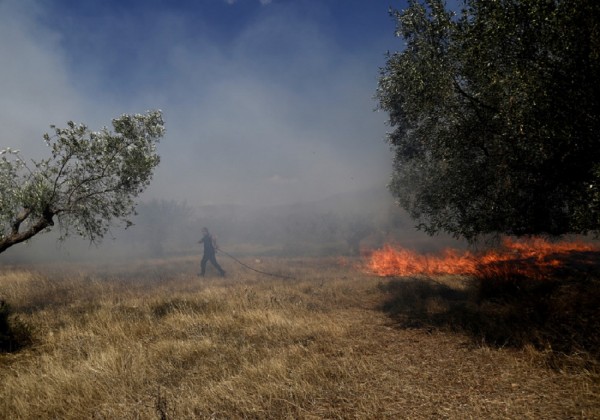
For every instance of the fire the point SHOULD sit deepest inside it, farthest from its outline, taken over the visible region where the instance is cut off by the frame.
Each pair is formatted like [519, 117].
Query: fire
[524, 255]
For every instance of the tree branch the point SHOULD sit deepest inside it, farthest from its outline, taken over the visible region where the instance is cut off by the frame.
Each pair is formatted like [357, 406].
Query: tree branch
[23, 215]
[471, 98]
[15, 237]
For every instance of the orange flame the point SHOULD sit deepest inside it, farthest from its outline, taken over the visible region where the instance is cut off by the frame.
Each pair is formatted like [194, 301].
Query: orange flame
[532, 255]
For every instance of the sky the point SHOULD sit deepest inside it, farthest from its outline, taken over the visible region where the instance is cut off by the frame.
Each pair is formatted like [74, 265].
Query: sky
[265, 101]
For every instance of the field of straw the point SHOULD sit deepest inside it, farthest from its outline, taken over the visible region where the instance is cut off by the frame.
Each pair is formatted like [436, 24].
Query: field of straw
[151, 340]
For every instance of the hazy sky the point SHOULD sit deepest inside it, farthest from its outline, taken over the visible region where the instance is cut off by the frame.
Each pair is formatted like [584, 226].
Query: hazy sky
[265, 101]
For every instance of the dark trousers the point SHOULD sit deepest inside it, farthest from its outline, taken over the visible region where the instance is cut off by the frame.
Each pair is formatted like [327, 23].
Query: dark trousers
[210, 257]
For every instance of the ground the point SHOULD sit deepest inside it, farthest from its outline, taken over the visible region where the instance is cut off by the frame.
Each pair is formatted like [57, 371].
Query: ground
[149, 339]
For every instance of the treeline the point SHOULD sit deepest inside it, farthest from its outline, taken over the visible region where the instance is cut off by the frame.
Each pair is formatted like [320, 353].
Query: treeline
[347, 224]
[344, 225]
[164, 228]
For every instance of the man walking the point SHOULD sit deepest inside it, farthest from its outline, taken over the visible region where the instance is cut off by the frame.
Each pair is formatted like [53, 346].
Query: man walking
[210, 246]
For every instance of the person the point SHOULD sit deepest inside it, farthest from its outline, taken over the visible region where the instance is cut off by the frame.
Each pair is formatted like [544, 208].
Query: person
[210, 247]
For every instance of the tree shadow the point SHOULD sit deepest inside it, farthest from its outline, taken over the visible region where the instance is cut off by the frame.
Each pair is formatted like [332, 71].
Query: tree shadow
[503, 306]
[14, 334]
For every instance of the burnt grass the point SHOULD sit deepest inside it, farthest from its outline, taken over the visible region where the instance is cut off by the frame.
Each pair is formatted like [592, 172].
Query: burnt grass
[556, 311]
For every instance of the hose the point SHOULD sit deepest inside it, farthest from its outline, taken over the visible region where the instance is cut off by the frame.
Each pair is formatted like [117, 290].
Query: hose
[253, 269]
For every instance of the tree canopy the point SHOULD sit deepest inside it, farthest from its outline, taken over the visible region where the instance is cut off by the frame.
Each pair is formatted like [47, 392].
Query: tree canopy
[90, 179]
[495, 116]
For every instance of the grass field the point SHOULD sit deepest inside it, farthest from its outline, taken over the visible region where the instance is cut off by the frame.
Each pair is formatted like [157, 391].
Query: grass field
[150, 339]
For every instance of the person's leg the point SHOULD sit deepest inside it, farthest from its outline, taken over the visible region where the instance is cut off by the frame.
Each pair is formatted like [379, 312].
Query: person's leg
[214, 262]
[203, 265]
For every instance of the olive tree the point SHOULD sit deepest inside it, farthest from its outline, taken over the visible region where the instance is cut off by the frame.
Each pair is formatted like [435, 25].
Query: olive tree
[496, 116]
[89, 181]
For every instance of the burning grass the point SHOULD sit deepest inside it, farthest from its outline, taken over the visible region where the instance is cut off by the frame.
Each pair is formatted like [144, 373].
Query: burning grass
[535, 257]
[526, 293]
[151, 340]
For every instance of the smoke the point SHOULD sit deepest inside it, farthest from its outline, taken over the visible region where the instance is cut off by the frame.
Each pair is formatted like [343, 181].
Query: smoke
[272, 111]
[266, 103]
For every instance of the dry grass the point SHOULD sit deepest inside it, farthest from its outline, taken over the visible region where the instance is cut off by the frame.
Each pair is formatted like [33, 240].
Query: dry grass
[152, 340]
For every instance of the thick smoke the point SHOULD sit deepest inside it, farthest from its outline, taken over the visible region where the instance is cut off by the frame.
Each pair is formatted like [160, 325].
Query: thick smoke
[271, 134]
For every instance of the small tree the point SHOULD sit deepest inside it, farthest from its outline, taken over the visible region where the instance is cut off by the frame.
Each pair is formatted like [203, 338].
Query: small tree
[90, 179]
[495, 116]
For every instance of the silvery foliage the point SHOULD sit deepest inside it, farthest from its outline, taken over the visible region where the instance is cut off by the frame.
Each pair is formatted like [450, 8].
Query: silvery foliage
[90, 180]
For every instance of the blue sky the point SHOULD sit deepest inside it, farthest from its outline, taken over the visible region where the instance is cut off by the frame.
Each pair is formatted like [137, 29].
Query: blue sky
[265, 102]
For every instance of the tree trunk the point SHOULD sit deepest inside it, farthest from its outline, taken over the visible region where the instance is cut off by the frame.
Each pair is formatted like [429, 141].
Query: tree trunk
[16, 237]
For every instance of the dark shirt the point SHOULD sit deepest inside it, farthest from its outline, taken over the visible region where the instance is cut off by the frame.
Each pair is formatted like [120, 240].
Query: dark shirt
[209, 244]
